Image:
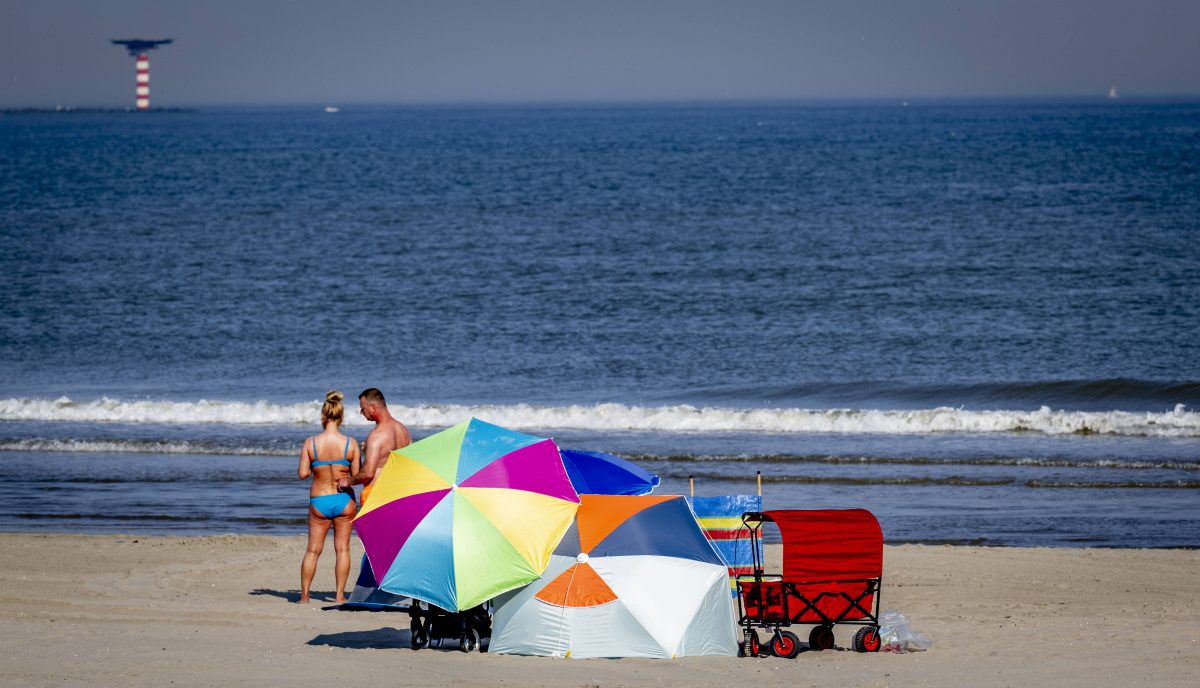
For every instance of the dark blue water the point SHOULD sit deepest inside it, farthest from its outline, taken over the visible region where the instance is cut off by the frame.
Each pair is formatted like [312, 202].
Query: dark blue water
[937, 312]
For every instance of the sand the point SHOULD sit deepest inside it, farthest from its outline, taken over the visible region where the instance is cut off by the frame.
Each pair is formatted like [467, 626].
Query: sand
[160, 611]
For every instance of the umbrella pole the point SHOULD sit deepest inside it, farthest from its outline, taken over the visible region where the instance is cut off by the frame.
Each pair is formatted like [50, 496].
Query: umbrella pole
[758, 477]
[691, 486]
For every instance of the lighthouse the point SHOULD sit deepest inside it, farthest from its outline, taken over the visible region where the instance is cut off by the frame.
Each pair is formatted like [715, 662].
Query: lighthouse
[139, 49]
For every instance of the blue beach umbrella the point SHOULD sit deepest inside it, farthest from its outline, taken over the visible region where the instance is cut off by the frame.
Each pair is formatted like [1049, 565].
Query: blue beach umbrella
[599, 473]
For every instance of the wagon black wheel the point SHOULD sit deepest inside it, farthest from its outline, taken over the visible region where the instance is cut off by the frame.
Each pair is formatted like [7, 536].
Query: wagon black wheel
[867, 639]
[464, 642]
[820, 638]
[785, 644]
[751, 646]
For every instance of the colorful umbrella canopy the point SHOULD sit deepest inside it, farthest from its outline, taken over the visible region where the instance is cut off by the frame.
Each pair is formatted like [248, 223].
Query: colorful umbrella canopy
[466, 514]
[634, 577]
[594, 472]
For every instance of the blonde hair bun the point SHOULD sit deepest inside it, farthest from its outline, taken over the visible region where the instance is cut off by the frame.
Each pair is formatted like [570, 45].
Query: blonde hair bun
[332, 409]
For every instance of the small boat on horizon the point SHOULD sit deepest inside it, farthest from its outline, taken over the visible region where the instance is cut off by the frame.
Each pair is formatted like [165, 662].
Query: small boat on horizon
[1112, 93]
[330, 108]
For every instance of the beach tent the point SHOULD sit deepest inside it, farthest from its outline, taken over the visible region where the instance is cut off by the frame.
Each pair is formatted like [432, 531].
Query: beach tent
[593, 472]
[367, 595]
[633, 577]
[721, 519]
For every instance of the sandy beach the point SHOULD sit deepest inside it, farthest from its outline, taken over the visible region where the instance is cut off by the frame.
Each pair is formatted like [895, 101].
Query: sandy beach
[154, 611]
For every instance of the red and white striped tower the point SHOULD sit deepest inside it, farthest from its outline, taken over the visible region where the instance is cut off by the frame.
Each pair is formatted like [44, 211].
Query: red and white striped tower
[143, 81]
[138, 49]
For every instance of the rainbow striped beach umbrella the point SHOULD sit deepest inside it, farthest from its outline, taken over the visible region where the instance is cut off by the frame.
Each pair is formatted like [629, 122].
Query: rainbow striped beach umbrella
[466, 514]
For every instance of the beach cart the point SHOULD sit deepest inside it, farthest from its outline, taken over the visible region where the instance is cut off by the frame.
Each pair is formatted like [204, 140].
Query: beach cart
[832, 571]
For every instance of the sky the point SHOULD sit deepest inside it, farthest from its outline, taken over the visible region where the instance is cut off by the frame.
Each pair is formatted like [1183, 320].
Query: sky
[278, 52]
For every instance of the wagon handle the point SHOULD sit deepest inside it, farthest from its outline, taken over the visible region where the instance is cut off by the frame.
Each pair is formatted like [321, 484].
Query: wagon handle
[754, 519]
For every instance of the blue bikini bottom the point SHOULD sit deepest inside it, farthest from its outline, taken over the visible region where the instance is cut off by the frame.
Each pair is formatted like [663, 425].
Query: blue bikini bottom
[330, 506]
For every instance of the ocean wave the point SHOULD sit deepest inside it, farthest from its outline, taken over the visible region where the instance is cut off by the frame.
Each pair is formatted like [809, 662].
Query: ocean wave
[956, 481]
[1110, 392]
[1115, 485]
[205, 411]
[182, 518]
[104, 446]
[624, 418]
[835, 460]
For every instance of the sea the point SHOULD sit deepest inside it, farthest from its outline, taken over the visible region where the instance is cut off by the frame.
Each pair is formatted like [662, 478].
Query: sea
[978, 320]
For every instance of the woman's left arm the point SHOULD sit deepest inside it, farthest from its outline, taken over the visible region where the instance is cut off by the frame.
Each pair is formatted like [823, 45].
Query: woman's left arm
[305, 468]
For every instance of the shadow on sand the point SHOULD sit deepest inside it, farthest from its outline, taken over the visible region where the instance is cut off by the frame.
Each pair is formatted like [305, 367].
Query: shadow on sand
[292, 595]
[385, 638]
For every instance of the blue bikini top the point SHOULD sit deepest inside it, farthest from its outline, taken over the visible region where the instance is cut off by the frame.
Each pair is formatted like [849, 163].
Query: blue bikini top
[340, 462]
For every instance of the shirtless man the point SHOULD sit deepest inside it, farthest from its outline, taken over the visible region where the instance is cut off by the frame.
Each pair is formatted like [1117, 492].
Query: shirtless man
[388, 434]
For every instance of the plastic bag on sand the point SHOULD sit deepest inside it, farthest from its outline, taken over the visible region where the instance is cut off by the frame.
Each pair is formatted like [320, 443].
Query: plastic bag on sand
[897, 635]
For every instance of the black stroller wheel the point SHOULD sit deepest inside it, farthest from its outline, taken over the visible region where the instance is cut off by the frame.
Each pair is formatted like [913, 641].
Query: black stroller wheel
[418, 638]
[432, 634]
[474, 642]
[820, 638]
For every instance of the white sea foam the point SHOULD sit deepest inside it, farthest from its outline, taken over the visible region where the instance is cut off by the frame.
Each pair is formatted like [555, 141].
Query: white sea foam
[619, 417]
[140, 447]
[107, 410]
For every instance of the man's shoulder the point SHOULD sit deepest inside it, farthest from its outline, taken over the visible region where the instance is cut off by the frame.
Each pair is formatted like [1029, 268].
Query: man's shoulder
[377, 432]
[398, 435]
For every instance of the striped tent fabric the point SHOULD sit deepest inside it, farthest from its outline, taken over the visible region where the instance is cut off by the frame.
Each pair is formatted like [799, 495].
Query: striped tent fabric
[721, 520]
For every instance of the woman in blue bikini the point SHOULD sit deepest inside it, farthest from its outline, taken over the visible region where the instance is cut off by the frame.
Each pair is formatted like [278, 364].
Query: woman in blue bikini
[327, 506]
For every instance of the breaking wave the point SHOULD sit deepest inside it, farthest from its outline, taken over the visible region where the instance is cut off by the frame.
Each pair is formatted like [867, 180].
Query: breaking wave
[989, 461]
[143, 447]
[958, 481]
[620, 417]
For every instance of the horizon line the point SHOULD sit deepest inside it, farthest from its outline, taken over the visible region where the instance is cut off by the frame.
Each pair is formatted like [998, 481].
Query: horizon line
[1076, 98]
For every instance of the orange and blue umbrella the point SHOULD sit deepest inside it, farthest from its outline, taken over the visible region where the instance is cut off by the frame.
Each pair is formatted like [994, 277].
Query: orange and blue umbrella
[466, 514]
[634, 577]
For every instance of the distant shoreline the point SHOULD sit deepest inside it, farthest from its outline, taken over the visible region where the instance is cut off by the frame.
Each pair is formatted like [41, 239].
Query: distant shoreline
[84, 110]
[1076, 100]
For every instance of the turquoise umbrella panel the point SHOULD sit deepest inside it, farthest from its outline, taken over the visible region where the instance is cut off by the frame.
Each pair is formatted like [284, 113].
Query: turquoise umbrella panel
[483, 443]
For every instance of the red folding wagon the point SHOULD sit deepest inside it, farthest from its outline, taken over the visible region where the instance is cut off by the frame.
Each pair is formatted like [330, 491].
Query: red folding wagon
[832, 571]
